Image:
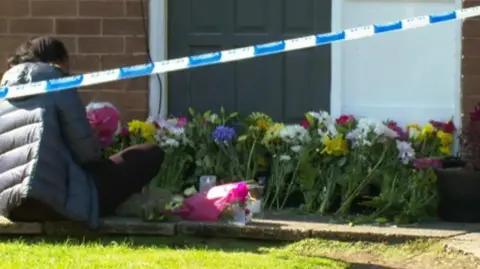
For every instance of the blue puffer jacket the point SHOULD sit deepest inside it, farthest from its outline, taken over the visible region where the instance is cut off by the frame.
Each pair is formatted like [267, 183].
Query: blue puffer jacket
[44, 142]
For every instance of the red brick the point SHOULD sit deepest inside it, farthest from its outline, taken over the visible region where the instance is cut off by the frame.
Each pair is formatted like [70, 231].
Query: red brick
[134, 84]
[85, 63]
[123, 100]
[3, 26]
[123, 27]
[78, 26]
[101, 9]
[134, 9]
[60, 8]
[70, 43]
[471, 47]
[14, 8]
[114, 61]
[471, 28]
[8, 44]
[471, 3]
[135, 45]
[100, 45]
[134, 115]
[471, 66]
[469, 102]
[31, 26]
[471, 85]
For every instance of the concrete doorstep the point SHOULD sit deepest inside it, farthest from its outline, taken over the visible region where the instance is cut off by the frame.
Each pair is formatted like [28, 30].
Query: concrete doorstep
[261, 229]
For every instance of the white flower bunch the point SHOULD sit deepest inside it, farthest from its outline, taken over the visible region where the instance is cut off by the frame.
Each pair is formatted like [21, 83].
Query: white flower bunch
[171, 138]
[295, 136]
[368, 130]
[326, 122]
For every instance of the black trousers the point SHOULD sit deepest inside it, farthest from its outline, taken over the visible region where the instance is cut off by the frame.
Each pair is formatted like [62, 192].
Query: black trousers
[116, 179]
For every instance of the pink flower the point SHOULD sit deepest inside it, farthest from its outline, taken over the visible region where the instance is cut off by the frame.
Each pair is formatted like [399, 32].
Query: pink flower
[181, 122]
[104, 119]
[305, 124]
[345, 119]
[397, 129]
[124, 132]
[240, 193]
[423, 163]
[447, 127]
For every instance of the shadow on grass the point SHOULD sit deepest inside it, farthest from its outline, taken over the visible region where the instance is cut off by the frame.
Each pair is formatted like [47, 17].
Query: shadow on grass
[226, 245]
[368, 266]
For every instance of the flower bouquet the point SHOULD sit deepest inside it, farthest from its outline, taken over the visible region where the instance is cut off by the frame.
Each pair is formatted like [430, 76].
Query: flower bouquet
[212, 146]
[226, 202]
[285, 144]
[170, 136]
[249, 144]
[371, 143]
[322, 164]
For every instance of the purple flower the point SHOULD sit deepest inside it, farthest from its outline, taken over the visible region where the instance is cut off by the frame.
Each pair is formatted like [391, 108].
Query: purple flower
[224, 134]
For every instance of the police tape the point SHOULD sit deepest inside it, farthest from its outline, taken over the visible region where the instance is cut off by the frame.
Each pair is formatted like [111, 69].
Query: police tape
[231, 55]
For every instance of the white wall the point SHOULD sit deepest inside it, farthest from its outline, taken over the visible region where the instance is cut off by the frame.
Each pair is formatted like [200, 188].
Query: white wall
[406, 76]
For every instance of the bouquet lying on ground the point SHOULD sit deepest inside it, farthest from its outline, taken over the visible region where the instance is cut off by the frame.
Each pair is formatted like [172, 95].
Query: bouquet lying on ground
[225, 202]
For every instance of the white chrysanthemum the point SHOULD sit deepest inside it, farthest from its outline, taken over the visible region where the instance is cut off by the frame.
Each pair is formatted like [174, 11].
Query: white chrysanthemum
[323, 117]
[170, 142]
[296, 149]
[294, 134]
[314, 114]
[405, 151]
[177, 133]
[213, 118]
[285, 158]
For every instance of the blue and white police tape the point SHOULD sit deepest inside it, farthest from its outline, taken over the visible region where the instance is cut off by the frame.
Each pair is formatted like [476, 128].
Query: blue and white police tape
[232, 55]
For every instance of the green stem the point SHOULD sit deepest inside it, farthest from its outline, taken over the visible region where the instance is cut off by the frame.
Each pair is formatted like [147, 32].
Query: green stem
[249, 160]
[352, 195]
[289, 188]
[326, 200]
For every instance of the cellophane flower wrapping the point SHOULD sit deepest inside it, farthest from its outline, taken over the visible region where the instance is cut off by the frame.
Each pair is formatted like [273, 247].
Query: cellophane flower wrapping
[104, 118]
[216, 204]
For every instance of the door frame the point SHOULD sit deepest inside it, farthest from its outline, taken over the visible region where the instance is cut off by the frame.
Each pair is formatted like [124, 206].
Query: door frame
[158, 45]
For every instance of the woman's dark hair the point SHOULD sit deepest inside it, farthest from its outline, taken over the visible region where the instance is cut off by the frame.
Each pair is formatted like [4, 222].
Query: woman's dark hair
[40, 49]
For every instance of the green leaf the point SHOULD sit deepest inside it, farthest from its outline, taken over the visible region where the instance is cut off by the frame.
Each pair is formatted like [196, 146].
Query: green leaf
[342, 161]
[310, 118]
[207, 114]
[242, 138]
[191, 111]
[234, 115]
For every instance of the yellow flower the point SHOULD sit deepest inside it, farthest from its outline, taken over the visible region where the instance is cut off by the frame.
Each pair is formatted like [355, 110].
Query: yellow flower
[413, 126]
[336, 146]
[446, 150]
[144, 129]
[428, 129]
[263, 124]
[273, 133]
[446, 139]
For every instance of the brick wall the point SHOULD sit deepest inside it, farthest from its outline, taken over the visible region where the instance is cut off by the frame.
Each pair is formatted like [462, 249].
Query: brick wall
[99, 34]
[470, 60]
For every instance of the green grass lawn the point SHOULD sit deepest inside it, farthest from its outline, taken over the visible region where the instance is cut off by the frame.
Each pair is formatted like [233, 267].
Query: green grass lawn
[154, 253]
[191, 253]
